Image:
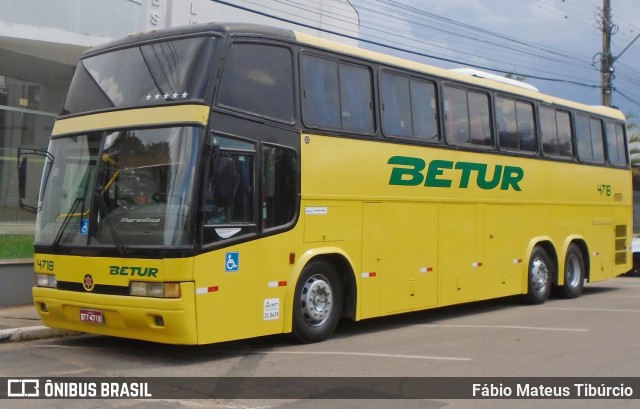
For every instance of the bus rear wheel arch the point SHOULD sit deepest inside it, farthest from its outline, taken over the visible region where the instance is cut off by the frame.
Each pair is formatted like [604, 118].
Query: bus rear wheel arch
[317, 302]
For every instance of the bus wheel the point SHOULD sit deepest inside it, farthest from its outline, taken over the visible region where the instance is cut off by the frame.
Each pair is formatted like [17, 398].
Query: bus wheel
[317, 302]
[539, 276]
[573, 273]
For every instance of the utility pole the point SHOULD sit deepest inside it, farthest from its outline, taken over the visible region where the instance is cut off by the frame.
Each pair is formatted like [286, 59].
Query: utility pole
[606, 63]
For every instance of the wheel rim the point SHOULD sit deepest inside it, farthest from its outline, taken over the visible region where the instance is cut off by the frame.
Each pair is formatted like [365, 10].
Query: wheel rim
[539, 275]
[573, 271]
[316, 300]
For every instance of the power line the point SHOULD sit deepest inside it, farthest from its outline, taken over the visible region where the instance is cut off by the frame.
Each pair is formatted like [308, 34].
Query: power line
[405, 50]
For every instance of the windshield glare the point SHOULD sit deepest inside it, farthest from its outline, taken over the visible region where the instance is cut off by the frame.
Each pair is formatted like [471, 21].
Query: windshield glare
[123, 189]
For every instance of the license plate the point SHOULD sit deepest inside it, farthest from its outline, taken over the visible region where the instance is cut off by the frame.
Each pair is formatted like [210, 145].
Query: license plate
[91, 316]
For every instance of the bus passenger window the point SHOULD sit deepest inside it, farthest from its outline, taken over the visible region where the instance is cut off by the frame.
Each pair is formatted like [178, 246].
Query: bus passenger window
[336, 94]
[515, 125]
[507, 123]
[480, 119]
[589, 138]
[467, 117]
[356, 98]
[320, 94]
[526, 128]
[408, 108]
[596, 140]
[616, 144]
[396, 105]
[456, 115]
[565, 147]
[424, 111]
[556, 132]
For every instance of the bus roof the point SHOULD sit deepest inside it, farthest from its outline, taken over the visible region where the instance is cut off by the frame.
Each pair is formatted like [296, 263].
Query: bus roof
[257, 30]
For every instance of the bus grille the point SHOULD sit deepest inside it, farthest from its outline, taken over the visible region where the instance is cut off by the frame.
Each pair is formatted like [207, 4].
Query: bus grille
[621, 244]
[97, 289]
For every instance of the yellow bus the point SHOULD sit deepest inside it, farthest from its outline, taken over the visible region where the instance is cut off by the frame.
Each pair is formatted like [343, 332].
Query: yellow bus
[224, 181]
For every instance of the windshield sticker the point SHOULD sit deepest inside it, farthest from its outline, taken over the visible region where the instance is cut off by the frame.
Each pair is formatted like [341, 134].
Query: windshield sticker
[84, 227]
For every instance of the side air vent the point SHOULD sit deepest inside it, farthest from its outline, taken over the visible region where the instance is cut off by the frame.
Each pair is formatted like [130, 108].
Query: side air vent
[621, 244]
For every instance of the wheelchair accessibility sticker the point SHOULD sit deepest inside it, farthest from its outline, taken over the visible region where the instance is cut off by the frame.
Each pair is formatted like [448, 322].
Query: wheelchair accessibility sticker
[84, 227]
[232, 261]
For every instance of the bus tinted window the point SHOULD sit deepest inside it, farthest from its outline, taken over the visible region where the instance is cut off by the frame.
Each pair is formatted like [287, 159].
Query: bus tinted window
[336, 95]
[408, 107]
[320, 96]
[150, 74]
[395, 96]
[356, 98]
[467, 117]
[515, 123]
[255, 77]
[589, 139]
[423, 109]
[616, 144]
[556, 132]
[279, 185]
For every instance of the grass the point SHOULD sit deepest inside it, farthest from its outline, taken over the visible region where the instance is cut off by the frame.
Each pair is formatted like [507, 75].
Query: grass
[16, 246]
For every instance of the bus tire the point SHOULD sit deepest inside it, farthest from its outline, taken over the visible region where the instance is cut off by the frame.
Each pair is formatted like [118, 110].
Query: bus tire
[317, 302]
[539, 276]
[574, 273]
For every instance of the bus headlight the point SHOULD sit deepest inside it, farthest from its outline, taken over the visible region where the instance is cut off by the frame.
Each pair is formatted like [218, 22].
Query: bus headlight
[157, 290]
[46, 280]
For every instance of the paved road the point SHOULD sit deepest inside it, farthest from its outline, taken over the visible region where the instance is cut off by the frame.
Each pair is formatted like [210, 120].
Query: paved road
[596, 335]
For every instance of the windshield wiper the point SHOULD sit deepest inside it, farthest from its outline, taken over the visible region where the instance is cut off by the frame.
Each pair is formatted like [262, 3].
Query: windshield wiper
[122, 249]
[66, 220]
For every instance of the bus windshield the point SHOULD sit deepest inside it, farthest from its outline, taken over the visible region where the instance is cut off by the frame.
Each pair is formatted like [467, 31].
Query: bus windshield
[122, 189]
[156, 73]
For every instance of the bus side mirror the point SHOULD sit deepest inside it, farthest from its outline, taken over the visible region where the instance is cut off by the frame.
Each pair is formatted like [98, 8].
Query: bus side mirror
[28, 192]
[224, 181]
[22, 178]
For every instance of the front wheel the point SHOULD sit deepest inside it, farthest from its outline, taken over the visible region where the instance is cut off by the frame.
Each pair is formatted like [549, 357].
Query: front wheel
[574, 273]
[539, 276]
[317, 302]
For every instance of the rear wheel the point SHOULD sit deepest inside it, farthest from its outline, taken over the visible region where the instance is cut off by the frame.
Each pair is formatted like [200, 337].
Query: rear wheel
[574, 273]
[539, 276]
[317, 302]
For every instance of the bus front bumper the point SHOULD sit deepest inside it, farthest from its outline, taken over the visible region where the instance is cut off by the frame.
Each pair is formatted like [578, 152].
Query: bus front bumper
[170, 321]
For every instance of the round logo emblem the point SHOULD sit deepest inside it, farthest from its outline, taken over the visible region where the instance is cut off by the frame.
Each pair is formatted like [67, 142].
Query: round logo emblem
[88, 283]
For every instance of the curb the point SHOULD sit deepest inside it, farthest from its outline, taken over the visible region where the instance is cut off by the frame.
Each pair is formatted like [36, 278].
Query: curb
[33, 333]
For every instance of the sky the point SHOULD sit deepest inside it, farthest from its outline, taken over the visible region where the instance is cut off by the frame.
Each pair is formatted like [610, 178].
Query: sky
[553, 39]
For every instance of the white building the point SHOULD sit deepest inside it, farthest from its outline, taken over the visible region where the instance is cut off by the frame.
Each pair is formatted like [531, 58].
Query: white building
[41, 41]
